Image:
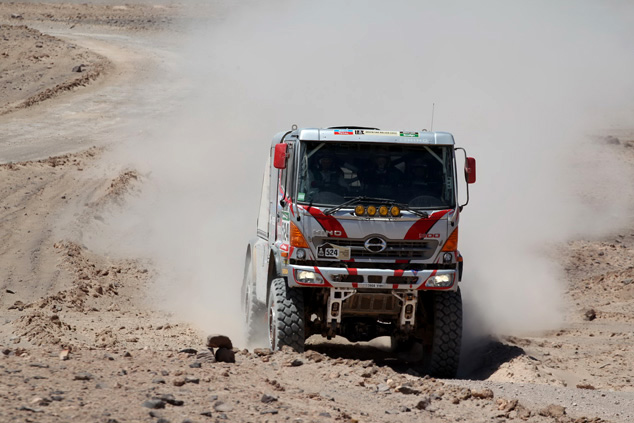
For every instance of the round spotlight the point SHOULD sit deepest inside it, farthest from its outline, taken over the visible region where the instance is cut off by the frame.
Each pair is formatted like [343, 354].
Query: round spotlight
[383, 211]
[371, 210]
[301, 254]
[395, 211]
[447, 257]
[359, 210]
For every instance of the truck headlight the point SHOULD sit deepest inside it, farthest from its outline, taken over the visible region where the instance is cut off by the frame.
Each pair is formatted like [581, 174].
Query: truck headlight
[440, 281]
[301, 254]
[305, 276]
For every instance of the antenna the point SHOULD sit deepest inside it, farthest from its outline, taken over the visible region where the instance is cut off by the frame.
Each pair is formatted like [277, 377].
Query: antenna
[431, 127]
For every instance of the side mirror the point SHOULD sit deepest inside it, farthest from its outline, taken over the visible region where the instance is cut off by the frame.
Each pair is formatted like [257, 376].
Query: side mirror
[279, 159]
[470, 170]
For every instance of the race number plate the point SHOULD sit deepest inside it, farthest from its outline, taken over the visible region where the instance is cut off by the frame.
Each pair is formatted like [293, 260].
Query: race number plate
[329, 251]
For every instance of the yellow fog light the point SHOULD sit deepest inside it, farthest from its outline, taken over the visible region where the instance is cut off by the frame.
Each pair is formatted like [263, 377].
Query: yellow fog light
[395, 211]
[371, 210]
[359, 210]
[383, 210]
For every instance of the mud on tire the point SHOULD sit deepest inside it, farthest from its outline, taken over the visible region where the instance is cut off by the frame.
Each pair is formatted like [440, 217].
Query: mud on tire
[441, 347]
[286, 316]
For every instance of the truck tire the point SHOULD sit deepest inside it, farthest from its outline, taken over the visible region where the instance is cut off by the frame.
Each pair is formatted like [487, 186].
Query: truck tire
[254, 310]
[443, 338]
[285, 316]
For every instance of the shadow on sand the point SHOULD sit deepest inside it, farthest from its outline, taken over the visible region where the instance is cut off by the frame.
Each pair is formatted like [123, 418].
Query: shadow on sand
[480, 358]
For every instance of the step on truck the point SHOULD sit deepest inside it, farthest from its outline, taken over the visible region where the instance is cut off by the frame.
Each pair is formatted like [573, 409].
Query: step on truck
[357, 236]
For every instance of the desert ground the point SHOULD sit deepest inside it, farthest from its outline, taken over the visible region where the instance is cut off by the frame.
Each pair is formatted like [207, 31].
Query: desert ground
[79, 340]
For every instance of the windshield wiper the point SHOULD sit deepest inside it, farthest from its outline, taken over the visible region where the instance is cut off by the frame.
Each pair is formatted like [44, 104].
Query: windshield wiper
[418, 213]
[356, 199]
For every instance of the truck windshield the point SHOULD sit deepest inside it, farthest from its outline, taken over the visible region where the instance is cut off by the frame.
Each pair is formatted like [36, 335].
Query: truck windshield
[420, 176]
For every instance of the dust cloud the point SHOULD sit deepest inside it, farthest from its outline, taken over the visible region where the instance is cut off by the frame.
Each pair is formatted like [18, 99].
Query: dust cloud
[521, 85]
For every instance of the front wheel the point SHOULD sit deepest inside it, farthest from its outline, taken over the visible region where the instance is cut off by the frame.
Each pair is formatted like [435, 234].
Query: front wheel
[443, 333]
[286, 316]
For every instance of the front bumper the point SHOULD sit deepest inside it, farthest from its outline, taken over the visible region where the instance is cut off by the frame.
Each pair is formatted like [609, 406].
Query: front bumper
[359, 278]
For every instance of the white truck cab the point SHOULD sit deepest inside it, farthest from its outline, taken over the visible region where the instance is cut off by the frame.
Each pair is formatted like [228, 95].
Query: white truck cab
[357, 236]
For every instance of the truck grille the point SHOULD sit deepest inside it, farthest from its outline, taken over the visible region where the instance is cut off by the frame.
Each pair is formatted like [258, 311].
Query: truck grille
[396, 249]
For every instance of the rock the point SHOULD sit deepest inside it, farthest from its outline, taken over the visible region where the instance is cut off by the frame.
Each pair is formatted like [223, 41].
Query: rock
[553, 411]
[404, 409]
[219, 341]
[590, 315]
[222, 407]
[63, 355]
[486, 393]
[159, 380]
[424, 403]
[8, 291]
[269, 411]
[294, 363]
[383, 387]
[179, 381]
[268, 398]
[196, 365]
[154, 404]
[83, 376]
[193, 380]
[224, 355]
[627, 281]
[78, 68]
[407, 390]
[32, 410]
[314, 356]
[206, 356]
[169, 398]
[260, 352]
[188, 351]
[16, 16]
[585, 386]
[41, 401]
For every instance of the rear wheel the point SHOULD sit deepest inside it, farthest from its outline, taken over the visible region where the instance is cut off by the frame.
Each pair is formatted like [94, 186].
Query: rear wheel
[285, 316]
[443, 333]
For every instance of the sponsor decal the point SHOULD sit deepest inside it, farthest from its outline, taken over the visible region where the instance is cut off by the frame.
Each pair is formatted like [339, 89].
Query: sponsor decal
[343, 132]
[375, 132]
[409, 134]
[301, 196]
[285, 216]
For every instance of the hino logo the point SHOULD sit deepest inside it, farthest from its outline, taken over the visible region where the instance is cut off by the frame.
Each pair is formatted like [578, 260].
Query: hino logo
[375, 245]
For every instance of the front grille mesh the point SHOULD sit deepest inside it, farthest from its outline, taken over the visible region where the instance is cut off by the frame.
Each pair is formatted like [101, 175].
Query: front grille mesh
[396, 249]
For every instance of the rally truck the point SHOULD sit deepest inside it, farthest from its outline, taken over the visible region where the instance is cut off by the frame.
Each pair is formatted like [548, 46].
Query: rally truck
[357, 236]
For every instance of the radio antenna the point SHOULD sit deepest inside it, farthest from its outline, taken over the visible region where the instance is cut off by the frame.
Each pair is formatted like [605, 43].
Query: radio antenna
[431, 127]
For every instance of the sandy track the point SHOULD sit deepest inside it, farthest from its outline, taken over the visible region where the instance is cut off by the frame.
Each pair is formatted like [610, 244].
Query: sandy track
[56, 294]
